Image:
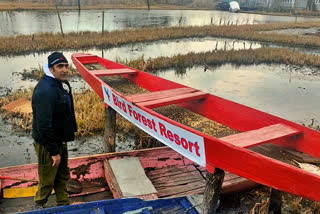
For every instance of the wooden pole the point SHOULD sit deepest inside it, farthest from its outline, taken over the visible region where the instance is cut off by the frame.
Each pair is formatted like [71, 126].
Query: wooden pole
[275, 201]
[102, 23]
[61, 29]
[212, 191]
[79, 5]
[148, 2]
[110, 130]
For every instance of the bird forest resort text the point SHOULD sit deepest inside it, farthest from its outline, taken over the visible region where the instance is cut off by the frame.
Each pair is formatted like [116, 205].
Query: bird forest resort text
[185, 142]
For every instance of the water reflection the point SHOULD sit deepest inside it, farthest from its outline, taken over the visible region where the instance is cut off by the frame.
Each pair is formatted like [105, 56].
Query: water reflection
[30, 22]
[291, 93]
[12, 67]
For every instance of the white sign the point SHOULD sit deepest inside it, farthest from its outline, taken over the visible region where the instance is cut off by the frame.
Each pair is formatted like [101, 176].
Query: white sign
[185, 142]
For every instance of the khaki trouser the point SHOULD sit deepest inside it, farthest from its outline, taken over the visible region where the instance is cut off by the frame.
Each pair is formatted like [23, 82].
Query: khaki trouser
[52, 177]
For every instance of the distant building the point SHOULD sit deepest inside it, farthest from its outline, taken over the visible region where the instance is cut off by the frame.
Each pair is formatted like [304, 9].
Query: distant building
[281, 5]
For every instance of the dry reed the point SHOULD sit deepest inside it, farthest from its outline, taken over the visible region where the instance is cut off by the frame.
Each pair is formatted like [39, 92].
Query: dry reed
[237, 57]
[23, 44]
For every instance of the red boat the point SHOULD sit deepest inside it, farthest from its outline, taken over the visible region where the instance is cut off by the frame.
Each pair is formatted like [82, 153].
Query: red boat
[170, 173]
[230, 153]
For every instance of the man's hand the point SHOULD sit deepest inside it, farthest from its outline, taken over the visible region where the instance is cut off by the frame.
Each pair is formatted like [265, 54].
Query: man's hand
[56, 160]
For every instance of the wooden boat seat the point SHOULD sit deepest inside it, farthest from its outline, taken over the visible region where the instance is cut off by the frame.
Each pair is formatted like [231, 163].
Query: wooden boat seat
[111, 72]
[259, 136]
[88, 59]
[166, 97]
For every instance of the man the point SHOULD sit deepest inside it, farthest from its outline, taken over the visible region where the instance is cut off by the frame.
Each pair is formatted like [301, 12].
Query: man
[54, 124]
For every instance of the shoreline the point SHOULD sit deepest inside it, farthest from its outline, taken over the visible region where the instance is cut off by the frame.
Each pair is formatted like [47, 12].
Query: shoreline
[37, 43]
[39, 6]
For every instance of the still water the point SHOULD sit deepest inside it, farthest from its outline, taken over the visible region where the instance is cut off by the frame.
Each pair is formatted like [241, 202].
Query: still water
[13, 67]
[284, 91]
[30, 22]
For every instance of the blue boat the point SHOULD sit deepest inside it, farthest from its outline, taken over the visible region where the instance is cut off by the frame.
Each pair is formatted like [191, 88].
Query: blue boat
[177, 205]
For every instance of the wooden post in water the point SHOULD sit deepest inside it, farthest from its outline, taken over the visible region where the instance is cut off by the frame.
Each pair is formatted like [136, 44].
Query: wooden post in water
[275, 203]
[212, 191]
[110, 130]
[61, 29]
[148, 2]
[102, 23]
[79, 5]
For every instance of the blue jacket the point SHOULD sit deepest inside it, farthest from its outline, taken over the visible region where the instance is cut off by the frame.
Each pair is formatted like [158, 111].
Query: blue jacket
[53, 114]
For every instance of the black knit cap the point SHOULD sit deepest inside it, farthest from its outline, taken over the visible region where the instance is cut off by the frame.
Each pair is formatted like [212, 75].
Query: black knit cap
[55, 58]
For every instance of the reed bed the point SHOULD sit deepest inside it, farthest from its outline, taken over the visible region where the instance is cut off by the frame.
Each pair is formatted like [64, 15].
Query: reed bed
[237, 57]
[211, 58]
[23, 44]
[89, 110]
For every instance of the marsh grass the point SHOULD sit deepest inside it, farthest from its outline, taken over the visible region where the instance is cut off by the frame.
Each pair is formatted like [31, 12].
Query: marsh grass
[37, 73]
[24, 44]
[220, 57]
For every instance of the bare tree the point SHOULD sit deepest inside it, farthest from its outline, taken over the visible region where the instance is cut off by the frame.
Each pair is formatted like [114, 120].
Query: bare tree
[310, 5]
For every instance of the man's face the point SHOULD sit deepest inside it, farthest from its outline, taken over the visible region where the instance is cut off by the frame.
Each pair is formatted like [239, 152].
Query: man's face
[60, 71]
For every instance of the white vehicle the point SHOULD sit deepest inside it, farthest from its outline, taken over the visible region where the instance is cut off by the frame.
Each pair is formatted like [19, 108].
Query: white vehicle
[234, 7]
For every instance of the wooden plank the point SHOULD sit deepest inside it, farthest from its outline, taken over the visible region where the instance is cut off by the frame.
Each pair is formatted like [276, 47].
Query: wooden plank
[178, 176]
[199, 190]
[159, 94]
[174, 99]
[111, 180]
[179, 189]
[260, 136]
[130, 179]
[183, 177]
[169, 171]
[87, 59]
[110, 72]
[21, 105]
[178, 182]
[21, 192]
[237, 185]
[148, 197]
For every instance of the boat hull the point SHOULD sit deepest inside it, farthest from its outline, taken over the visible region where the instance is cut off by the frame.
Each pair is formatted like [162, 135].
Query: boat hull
[215, 152]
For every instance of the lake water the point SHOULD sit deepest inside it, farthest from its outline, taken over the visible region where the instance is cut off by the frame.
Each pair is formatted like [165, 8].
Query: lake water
[284, 91]
[30, 22]
[13, 67]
